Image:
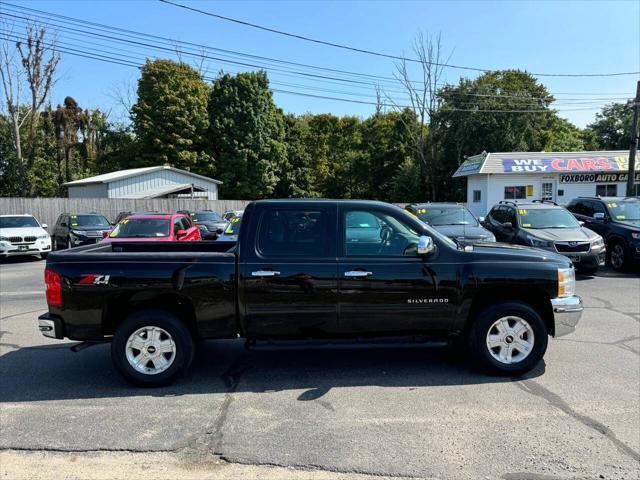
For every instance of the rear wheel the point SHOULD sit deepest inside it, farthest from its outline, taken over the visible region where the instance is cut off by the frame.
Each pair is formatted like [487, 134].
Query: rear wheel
[152, 348]
[508, 338]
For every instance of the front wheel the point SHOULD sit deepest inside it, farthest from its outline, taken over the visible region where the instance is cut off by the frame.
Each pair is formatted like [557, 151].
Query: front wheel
[152, 348]
[508, 338]
[618, 256]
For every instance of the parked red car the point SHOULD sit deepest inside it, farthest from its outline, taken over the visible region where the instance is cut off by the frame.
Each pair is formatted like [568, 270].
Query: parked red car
[155, 228]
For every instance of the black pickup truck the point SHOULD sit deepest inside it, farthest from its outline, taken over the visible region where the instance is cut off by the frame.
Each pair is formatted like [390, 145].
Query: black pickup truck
[311, 270]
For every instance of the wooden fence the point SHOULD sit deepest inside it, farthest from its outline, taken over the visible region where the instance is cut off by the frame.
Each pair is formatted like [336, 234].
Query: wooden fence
[46, 210]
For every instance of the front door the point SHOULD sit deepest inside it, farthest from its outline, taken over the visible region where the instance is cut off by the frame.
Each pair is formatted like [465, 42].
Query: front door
[384, 286]
[287, 284]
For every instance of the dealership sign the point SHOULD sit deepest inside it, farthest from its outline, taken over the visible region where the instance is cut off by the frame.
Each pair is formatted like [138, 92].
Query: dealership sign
[597, 177]
[579, 164]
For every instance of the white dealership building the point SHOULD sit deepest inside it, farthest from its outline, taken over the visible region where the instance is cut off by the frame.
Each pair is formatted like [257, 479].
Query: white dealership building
[556, 176]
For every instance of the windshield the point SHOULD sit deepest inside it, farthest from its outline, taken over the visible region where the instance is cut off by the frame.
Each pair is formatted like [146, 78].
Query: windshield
[18, 222]
[141, 227]
[89, 221]
[434, 215]
[206, 217]
[234, 226]
[625, 209]
[547, 218]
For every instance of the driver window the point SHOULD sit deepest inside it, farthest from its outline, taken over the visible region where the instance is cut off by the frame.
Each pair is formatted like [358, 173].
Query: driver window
[371, 233]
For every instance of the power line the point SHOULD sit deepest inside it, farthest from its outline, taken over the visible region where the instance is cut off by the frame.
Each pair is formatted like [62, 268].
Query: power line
[174, 43]
[379, 54]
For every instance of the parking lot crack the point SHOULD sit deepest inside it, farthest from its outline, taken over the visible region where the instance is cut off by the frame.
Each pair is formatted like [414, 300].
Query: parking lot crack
[534, 388]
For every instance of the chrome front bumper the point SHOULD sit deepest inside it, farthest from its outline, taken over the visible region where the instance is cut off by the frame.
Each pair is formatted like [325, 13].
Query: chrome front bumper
[566, 314]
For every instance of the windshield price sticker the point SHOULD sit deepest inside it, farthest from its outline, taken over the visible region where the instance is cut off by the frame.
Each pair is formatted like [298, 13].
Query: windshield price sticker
[621, 217]
[522, 211]
[526, 225]
[422, 210]
[612, 205]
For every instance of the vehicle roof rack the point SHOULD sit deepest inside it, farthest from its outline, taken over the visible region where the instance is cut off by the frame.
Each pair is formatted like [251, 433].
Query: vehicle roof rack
[507, 202]
[544, 201]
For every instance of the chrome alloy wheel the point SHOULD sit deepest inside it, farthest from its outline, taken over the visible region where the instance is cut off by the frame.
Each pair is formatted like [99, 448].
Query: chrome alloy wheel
[617, 256]
[510, 340]
[150, 350]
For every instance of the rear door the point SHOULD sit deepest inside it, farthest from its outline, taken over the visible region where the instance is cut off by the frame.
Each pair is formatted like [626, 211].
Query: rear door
[287, 276]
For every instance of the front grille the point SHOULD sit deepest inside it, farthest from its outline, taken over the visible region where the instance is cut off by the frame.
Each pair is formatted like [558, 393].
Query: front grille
[29, 239]
[572, 247]
[93, 233]
[15, 239]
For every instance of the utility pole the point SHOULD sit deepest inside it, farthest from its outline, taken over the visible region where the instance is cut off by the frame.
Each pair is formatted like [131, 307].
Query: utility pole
[634, 143]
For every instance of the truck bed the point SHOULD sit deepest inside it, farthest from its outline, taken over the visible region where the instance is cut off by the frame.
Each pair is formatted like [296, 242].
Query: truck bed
[103, 283]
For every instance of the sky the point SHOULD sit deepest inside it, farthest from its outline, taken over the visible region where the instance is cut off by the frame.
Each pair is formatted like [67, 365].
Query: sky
[539, 36]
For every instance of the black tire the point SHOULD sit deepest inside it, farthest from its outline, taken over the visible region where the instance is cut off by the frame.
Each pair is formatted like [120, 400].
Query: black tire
[69, 244]
[618, 249]
[184, 347]
[483, 322]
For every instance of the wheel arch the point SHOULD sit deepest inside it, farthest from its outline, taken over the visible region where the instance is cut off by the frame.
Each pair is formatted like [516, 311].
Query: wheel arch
[119, 308]
[535, 298]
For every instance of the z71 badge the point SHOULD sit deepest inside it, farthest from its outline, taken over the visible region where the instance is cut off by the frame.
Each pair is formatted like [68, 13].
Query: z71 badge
[94, 279]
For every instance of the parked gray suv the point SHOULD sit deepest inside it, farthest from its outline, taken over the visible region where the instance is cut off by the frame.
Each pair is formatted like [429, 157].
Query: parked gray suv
[548, 226]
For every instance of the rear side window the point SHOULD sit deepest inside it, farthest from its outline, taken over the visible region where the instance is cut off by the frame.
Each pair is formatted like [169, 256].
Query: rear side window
[498, 214]
[294, 232]
[510, 216]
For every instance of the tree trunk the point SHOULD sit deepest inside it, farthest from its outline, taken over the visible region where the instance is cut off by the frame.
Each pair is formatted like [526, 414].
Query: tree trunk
[18, 145]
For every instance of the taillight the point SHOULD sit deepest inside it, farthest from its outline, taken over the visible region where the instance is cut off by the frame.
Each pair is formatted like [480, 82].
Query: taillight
[53, 281]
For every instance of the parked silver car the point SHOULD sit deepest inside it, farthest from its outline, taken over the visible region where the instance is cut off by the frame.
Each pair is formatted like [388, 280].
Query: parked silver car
[548, 226]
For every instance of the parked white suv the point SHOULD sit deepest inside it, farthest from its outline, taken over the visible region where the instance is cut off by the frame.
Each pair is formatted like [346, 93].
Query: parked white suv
[23, 235]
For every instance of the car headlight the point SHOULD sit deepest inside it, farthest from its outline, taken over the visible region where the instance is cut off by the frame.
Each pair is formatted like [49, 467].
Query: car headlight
[80, 233]
[40, 237]
[4, 239]
[598, 242]
[566, 282]
[489, 238]
[538, 242]
[635, 235]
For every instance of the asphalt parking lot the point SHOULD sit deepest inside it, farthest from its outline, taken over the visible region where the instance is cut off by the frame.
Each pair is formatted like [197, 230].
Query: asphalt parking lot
[410, 412]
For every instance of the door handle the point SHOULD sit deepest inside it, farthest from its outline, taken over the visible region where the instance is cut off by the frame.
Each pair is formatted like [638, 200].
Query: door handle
[265, 273]
[357, 273]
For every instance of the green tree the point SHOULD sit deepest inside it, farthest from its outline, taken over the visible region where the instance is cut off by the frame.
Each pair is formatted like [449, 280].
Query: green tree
[297, 177]
[246, 135]
[170, 117]
[612, 127]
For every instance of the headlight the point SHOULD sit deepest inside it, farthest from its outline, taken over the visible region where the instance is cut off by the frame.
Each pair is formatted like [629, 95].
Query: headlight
[43, 236]
[80, 233]
[489, 238]
[538, 242]
[4, 239]
[598, 242]
[635, 235]
[566, 282]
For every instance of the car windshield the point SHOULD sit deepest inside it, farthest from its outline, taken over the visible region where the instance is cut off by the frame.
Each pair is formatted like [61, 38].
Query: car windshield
[89, 221]
[18, 222]
[206, 217]
[141, 227]
[628, 209]
[547, 218]
[234, 226]
[435, 215]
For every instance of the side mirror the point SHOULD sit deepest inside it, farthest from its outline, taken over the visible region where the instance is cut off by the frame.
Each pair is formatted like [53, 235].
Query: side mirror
[425, 245]
[481, 219]
[45, 226]
[599, 216]
[508, 225]
[181, 233]
[581, 223]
